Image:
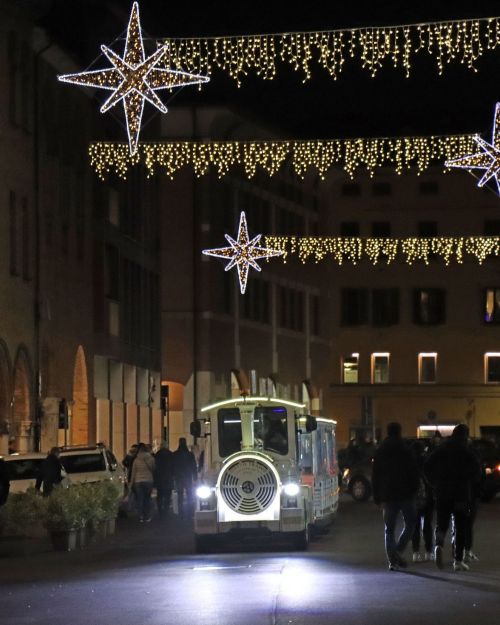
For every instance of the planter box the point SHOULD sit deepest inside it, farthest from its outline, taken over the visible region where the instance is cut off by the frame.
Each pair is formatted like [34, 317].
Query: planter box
[64, 540]
[82, 538]
[110, 526]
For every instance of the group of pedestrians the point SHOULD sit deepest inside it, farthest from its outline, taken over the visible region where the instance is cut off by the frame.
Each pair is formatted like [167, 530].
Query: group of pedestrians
[166, 471]
[413, 483]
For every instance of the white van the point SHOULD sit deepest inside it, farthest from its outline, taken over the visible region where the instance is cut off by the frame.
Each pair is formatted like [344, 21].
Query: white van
[268, 469]
[93, 463]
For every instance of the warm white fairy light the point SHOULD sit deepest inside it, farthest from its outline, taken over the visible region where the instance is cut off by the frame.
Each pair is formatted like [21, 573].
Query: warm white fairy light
[134, 78]
[399, 153]
[243, 252]
[374, 250]
[461, 41]
[488, 158]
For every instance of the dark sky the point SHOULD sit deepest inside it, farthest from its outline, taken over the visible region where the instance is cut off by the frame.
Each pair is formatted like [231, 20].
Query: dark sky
[354, 105]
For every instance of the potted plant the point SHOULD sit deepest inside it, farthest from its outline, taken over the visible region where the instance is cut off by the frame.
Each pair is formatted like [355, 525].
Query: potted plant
[25, 514]
[65, 517]
[110, 496]
[92, 509]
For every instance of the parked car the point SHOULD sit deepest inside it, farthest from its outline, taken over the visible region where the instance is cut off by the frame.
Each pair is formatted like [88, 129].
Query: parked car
[357, 480]
[23, 470]
[92, 464]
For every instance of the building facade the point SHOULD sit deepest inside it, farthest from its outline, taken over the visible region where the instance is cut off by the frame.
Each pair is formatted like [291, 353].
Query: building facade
[419, 344]
[79, 329]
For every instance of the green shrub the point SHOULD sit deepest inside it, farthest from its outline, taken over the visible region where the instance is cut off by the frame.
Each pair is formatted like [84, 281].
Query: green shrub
[109, 496]
[66, 508]
[22, 511]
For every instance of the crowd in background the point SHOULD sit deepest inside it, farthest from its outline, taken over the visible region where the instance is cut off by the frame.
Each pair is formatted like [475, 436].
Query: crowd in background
[173, 474]
[415, 480]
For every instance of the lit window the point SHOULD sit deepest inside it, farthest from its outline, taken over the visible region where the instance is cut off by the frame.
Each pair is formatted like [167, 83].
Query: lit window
[350, 369]
[492, 305]
[380, 368]
[427, 368]
[492, 367]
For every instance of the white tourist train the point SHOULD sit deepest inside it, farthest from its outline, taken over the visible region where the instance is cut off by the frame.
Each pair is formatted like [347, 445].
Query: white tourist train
[268, 469]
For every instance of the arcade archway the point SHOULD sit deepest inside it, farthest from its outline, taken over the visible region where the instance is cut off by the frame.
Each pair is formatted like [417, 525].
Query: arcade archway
[22, 424]
[80, 406]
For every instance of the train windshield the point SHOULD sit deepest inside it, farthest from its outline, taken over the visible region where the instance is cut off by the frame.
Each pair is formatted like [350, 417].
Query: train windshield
[270, 429]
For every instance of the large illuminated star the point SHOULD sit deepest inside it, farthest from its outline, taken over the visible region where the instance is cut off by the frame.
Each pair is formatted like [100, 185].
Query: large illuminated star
[488, 159]
[243, 252]
[134, 78]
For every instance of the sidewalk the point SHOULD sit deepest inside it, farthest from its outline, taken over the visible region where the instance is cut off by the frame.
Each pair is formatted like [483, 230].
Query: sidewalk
[172, 535]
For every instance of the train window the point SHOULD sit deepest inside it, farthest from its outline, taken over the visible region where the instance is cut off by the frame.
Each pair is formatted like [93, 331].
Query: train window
[305, 456]
[229, 428]
[270, 426]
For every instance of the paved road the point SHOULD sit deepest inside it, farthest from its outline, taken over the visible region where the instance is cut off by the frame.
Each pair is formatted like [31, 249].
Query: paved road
[148, 575]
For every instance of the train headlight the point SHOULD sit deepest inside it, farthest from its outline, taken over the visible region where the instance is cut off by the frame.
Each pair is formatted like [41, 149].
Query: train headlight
[291, 489]
[203, 491]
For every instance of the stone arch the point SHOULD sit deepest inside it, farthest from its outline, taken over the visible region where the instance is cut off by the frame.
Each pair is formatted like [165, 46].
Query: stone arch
[240, 385]
[310, 397]
[80, 404]
[22, 429]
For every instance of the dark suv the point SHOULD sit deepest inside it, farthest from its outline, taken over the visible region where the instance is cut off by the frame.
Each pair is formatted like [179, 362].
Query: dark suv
[356, 471]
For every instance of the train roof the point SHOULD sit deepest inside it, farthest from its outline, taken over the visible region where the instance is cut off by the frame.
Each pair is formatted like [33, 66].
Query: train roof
[234, 401]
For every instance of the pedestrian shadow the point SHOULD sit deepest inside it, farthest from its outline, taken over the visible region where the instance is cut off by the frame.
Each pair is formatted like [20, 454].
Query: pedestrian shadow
[481, 581]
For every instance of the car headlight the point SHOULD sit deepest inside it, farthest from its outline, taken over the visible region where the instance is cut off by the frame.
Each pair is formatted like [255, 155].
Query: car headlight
[203, 491]
[291, 489]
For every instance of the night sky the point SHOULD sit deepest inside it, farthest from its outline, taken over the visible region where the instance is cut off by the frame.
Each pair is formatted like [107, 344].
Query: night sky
[460, 101]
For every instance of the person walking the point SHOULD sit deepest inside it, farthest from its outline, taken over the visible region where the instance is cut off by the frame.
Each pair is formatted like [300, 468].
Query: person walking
[128, 461]
[186, 473]
[452, 470]
[51, 472]
[395, 482]
[142, 480]
[4, 482]
[424, 503]
[164, 478]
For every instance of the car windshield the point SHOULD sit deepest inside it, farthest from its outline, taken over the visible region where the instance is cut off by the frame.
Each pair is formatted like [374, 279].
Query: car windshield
[270, 429]
[24, 469]
[83, 463]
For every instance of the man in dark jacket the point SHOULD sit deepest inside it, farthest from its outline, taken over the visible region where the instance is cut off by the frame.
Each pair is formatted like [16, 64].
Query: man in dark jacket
[164, 478]
[4, 482]
[395, 482]
[50, 472]
[452, 470]
[185, 472]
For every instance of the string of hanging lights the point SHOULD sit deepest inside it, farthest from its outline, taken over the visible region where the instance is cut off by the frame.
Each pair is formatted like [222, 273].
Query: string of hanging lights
[377, 250]
[398, 153]
[373, 48]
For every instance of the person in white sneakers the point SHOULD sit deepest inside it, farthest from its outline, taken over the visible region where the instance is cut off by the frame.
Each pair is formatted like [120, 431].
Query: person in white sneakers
[452, 470]
[424, 502]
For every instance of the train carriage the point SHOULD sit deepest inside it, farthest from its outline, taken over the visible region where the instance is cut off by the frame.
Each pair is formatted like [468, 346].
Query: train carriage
[268, 469]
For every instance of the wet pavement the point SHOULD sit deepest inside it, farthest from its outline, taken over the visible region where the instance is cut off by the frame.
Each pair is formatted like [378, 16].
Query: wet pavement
[148, 574]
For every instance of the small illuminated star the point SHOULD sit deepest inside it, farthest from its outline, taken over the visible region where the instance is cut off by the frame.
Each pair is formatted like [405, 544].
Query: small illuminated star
[243, 252]
[134, 78]
[488, 159]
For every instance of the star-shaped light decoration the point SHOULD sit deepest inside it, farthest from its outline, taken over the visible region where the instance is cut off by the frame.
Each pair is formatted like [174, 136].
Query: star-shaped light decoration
[243, 252]
[488, 158]
[134, 78]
